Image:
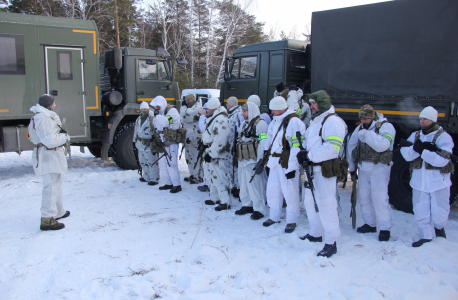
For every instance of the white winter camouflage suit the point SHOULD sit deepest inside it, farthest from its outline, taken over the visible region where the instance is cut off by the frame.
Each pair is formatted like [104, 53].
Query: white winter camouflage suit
[172, 120]
[190, 117]
[278, 186]
[217, 171]
[253, 194]
[431, 188]
[51, 164]
[300, 106]
[373, 178]
[150, 172]
[235, 120]
[333, 133]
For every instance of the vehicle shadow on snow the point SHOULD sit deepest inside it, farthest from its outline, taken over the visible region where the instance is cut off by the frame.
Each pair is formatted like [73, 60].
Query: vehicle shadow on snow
[91, 162]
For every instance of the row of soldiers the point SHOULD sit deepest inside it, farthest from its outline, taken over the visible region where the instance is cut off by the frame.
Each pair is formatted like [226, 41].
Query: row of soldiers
[261, 158]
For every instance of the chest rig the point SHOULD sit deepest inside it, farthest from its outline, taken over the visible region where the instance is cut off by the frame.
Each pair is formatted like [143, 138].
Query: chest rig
[417, 163]
[366, 153]
[249, 149]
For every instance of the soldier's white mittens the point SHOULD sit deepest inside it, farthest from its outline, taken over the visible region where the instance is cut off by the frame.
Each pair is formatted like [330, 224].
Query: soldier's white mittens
[362, 135]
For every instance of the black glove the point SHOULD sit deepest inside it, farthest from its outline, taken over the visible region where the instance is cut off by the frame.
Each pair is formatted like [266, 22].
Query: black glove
[353, 176]
[293, 87]
[302, 156]
[156, 112]
[259, 168]
[291, 175]
[267, 171]
[418, 147]
[183, 103]
[430, 146]
[280, 87]
[207, 158]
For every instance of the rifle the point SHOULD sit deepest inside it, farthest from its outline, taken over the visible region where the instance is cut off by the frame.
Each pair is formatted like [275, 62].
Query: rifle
[136, 158]
[405, 143]
[156, 139]
[262, 162]
[354, 190]
[234, 152]
[201, 147]
[308, 184]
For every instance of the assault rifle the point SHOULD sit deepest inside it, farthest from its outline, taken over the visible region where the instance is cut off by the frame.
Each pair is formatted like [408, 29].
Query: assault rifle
[308, 184]
[136, 158]
[261, 163]
[156, 139]
[201, 148]
[354, 190]
[405, 143]
[234, 152]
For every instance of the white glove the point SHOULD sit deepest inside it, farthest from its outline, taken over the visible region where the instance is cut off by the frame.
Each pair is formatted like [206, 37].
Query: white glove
[362, 135]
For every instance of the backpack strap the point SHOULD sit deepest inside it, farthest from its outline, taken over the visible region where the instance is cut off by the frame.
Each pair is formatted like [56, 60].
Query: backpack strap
[221, 113]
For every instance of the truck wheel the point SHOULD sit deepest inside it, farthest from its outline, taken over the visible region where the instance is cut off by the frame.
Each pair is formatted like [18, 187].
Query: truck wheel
[121, 149]
[96, 151]
[399, 189]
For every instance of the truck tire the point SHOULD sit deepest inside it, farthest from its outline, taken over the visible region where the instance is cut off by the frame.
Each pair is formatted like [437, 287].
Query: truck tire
[96, 151]
[122, 150]
[399, 189]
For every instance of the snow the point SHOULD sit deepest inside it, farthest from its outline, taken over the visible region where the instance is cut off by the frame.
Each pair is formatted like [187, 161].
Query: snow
[127, 240]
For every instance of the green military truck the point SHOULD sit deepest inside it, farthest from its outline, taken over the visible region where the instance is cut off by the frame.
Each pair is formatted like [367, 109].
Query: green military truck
[98, 95]
[398, 56]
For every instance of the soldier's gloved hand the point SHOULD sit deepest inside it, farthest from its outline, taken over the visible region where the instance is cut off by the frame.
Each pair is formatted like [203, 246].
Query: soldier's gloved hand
[291, 175]
[293, 87]
[259, 168]
[430, 146]
[156, 112]
[362, 135]
[302, 156]
[207, 158]
[353, 176]
[418, 147]
[280, 87]
[183, 103]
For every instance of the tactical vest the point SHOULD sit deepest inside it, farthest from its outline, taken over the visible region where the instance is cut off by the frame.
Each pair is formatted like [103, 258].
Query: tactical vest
[418, 162]
[173, 136]
[366, 153]
[335, 167]
[286, 148]
[248, 150]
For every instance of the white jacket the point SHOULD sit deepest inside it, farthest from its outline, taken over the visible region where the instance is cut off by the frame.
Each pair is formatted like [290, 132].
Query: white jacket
[190, 117]
[294, 125]
[143, 131]
[217, 134]
[380, 142]
[333, 133]
[44, 128]
[429, 180]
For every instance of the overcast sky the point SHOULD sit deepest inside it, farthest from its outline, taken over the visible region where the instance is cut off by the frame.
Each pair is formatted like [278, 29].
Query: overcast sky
[287, 14]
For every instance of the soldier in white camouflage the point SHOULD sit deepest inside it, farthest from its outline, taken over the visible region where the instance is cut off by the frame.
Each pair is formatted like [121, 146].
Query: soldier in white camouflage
[234, 112]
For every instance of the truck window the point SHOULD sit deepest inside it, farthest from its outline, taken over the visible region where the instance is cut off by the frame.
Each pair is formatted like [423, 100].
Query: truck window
[64, 65]
[276, 66]
[147, 69]
[297, 60]
[248, 67]
[161, 71]
[12, 60]
[235, 68]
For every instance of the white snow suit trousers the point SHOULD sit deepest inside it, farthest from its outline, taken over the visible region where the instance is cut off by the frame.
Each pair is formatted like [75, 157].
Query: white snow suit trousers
[373, 196]
[218, 180]
[430, 208]
[252, 194]
[170, 173]
[51, 201]
[150, 172]
[326, 221]
[278, 187]
[191, 153]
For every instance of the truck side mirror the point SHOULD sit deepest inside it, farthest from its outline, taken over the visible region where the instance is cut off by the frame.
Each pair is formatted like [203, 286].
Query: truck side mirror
[226, 70]
[117, 58]
[182, 61]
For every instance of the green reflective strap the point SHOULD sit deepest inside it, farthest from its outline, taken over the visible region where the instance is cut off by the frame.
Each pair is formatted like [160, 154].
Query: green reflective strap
[389, 137]
[335, 141]
[295, 141]
[170, 119]
[298, 111]
[262, 136]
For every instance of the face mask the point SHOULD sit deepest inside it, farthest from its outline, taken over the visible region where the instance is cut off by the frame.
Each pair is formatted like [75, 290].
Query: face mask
[190, 103]
[367, 126]
[144, 113]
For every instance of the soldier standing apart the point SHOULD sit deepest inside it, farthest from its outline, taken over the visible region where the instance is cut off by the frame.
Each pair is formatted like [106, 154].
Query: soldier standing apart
[167, 118]
[217, 154]
[48, 157]
[430, 182]
[280, 152]
[142, 140]
[371, 147]
[235, 119]
[323, 141]
[251, 139]
[190, 113]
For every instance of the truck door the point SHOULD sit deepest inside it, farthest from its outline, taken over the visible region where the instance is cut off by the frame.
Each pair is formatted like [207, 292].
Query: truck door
[152, 80]
[276, 71]
[244, 73]
[65, 81]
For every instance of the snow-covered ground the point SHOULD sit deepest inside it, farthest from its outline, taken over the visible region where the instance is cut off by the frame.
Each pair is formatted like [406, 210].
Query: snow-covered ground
[127, 240]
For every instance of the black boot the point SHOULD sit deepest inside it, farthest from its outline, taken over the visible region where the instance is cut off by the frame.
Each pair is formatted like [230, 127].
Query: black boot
[440, 232]
[366, 229]
[384, 235]
[328, 250]
[203, 188]
[312, 238]
[244, 210]
[189, 178]
[196, 180]
[211, 202]
[256, 216]
[269, 222]
[290, 227]
[235, 192]
[142, 179]
[67, 213]
[420, 242]
[50, 224]
[222, 207]
[176, 189]
[166, 187]
[152, 182]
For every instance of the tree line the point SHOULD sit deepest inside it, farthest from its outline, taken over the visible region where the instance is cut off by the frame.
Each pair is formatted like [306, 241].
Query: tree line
[202, 31]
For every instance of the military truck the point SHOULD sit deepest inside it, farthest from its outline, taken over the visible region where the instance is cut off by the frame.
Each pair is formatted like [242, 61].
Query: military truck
[398, 56]
[98, 95]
